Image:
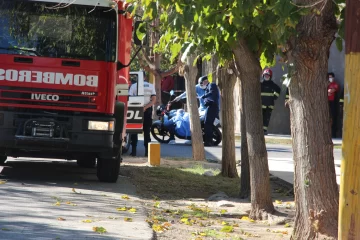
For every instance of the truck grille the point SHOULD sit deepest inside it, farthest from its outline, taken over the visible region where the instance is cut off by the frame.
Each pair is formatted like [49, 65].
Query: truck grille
[47, 97]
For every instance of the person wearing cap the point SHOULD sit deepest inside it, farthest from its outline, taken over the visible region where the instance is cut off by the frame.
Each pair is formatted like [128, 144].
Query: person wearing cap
[269, 93]
[211, 102]
[333, 89]
[150, 100]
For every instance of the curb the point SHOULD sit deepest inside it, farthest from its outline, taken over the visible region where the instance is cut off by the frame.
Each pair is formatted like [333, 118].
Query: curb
[284, 140]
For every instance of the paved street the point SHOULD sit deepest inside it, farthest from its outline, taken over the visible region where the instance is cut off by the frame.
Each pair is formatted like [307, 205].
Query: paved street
[38, 203]
[279, 155]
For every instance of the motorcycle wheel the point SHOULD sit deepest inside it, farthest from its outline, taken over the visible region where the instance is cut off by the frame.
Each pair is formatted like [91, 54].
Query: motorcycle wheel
[159, 133]
[217, 136]
[126, 143]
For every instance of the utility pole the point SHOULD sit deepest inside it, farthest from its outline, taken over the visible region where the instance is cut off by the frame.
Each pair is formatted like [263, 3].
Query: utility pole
[349, 209]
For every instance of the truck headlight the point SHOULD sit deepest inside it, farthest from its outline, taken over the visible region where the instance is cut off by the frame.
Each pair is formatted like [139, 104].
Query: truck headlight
[101, 126]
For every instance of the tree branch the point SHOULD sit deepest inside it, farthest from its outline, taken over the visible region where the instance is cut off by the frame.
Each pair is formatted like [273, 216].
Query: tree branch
[174, 69]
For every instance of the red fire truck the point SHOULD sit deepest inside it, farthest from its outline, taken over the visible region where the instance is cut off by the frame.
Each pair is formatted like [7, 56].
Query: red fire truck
[64, 81]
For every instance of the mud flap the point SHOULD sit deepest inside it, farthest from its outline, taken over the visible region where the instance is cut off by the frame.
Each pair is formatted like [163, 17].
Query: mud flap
[119, 114]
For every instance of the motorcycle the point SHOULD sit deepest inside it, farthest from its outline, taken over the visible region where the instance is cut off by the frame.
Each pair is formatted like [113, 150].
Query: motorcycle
[160, 132]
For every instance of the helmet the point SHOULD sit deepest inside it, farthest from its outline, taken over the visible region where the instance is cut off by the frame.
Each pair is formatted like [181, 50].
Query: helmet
[268, 72]
[202, 80]
[159, 110]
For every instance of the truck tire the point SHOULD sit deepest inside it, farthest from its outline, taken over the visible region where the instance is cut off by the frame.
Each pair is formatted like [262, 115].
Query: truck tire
[3, 159]
[86, 162]
[108, 169]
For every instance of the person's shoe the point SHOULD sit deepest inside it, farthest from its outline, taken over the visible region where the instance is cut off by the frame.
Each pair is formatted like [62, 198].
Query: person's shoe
[172, 142]
[146, 153]
[188, 142]
[265, 132]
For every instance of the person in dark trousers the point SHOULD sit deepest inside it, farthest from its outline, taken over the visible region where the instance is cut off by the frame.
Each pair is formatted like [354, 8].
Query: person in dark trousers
[211, 102]
[269, 93]
[333, 88]
[150, 99]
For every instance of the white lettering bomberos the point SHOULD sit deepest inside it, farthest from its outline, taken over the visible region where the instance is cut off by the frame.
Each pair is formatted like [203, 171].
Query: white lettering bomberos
[48, 77]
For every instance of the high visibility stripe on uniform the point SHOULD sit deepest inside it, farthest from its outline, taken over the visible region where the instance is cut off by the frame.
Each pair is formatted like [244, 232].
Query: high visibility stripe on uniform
[287, 96]
[276, 94]
[271, 107]
[341, 100]
[263, 106]
[265, 128]
[267, 94]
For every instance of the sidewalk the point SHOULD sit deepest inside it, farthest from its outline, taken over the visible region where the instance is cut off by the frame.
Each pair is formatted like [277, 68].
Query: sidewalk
[284, 139]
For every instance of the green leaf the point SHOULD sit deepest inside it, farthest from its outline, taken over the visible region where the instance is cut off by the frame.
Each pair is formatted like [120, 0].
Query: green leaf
[227, 229]
[175, 50]
[339, 43]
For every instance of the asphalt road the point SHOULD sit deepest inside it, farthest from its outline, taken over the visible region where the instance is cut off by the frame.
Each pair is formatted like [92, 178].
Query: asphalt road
[279, 155]
[48, 200]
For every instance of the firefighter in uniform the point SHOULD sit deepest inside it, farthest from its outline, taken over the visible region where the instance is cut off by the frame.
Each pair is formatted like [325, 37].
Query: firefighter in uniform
[211, 102]
[150, 99]
[269, 93]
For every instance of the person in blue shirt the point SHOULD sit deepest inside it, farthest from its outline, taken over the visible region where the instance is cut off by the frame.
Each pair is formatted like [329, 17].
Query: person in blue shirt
[199, 92]
[179, 124]
[211, 102]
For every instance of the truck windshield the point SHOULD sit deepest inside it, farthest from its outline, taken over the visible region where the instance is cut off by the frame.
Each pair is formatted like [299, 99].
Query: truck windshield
[42, 29]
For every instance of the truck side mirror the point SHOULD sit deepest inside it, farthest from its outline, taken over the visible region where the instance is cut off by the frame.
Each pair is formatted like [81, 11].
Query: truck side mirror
[140, 36]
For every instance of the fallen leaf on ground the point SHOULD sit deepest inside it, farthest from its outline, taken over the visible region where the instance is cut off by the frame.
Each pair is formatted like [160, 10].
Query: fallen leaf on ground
[122, 209]
[61, 219]
[2, 182]
[287, 225]
[57, 204]
[247, 219]
[132, 210]
[127, 219]
[223, 211]
[125, 197]
[278, 202]
[114, 218]
[5, 229]
[100, 230]
[157, 204]
[87, 221]
[74, 191]
[227, 229]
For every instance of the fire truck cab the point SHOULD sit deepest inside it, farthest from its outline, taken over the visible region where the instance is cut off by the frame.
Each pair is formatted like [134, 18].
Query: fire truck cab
[64, 81]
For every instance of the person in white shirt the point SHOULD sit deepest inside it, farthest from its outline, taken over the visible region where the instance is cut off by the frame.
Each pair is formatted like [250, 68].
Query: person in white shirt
[150, 99]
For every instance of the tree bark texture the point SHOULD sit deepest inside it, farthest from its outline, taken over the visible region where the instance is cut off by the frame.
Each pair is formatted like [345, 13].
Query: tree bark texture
[226, 85]
[249, 70]
[190, 72]
[316, 190]
[245, 168]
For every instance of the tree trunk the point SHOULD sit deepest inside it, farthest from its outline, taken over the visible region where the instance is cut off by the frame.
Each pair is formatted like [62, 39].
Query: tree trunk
[190, 72]
[245, 169]
[249, 69]
[316, 190]
[226, 85]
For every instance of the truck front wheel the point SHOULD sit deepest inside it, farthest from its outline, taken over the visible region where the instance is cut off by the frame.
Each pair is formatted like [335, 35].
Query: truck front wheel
[108, 169]
[3, 159]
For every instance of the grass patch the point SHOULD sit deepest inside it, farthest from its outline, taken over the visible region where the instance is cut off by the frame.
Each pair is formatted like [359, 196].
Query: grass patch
[199, 169]
[175, 183]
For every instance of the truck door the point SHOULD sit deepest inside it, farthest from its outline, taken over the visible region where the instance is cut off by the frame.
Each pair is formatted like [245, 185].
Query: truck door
[135, 113]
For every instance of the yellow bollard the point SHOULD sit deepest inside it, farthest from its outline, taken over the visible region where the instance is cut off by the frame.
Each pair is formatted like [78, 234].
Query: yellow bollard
[154, 154]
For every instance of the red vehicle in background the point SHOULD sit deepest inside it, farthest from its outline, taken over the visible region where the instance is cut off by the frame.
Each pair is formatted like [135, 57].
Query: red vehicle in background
[64, 81]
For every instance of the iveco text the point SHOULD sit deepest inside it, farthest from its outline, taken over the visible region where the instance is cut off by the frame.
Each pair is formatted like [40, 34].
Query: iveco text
[48, 77]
